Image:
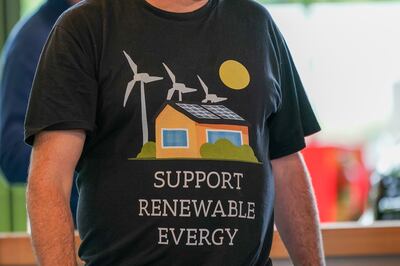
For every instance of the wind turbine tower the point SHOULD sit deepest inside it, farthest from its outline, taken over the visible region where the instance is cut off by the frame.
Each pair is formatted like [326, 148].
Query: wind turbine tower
[143, 78]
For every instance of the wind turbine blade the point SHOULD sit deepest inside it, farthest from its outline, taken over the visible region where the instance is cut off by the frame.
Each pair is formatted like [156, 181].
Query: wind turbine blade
[186, 89]
[170, 93]
[129, 88]
[151, 79]
[205, 88]
[170, 74]
[220, 99]
[131, 63]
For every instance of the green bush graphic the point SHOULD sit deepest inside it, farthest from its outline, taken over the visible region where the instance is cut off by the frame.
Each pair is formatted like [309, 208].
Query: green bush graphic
[224, 149]
[148, 151]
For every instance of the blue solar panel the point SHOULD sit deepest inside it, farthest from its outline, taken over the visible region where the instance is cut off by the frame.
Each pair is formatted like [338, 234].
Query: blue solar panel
[197, 111]
[223, 112]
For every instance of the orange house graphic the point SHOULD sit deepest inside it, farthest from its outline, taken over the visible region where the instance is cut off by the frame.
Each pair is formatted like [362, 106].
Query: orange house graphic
[182, 128]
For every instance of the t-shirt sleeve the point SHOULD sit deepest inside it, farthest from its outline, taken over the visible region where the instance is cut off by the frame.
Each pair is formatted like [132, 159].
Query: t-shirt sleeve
[294, 118]
[64, 91]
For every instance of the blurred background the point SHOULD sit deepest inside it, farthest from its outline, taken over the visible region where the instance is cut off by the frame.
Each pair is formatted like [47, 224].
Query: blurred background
[348, 55]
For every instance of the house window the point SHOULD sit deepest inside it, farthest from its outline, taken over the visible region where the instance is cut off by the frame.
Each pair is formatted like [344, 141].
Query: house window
[175, 138]
[233, 136]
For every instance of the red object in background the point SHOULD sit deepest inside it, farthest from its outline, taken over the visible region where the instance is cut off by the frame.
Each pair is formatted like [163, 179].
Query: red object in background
[324, 170]
[360, 183]
[340, 181]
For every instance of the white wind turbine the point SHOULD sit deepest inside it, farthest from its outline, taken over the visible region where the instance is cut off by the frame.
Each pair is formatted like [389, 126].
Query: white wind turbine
[180, 87]
[143, 78]
[212, 98]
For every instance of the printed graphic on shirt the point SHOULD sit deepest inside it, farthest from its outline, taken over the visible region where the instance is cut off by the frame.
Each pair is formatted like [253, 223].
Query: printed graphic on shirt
[143, 78]
[234, 75]
[204, 130]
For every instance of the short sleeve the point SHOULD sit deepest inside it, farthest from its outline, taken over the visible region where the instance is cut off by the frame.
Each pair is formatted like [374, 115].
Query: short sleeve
[294, 118]
[64, 91]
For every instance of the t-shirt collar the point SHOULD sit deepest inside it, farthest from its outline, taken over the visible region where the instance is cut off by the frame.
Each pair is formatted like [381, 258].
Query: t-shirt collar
[200, 12]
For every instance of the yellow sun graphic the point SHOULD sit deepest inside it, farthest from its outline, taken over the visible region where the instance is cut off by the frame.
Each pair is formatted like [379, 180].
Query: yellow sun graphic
[234, 75]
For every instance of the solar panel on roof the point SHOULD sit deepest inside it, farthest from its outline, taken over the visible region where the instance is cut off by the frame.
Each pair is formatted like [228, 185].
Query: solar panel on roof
[223, 112]
[197, 111]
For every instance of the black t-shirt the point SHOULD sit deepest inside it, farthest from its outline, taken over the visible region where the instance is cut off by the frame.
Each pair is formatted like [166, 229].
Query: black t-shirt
[183, 113]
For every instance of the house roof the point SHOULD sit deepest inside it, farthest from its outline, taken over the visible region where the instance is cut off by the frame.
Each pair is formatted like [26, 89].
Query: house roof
[207, 113]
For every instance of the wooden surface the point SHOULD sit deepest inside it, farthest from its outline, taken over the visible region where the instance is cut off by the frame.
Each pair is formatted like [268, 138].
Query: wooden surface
[351, 240]
[340, 240]
[16, 249]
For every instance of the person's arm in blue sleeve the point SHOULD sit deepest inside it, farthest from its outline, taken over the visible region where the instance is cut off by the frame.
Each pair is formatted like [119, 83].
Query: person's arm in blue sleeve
[16, 81]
